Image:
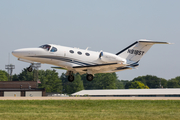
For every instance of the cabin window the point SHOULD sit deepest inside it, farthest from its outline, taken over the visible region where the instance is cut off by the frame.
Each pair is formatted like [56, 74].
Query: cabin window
[71, 51]
[87, 54]
[53, 49]
[80, 53]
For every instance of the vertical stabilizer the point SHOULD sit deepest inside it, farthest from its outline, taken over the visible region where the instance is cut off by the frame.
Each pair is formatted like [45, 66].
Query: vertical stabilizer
[137, 50]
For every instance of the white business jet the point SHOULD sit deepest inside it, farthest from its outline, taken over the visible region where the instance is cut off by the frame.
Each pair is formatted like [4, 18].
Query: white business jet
[88, 62]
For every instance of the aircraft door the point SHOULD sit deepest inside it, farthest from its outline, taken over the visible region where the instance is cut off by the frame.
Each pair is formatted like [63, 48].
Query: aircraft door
[53, 53]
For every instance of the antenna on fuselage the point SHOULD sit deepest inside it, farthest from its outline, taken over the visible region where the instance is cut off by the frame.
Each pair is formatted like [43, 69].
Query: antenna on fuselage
[88, 48]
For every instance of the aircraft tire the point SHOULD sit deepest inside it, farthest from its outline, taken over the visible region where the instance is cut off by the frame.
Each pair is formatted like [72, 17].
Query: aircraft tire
[70, 78]
[29, 69]
[89, 77]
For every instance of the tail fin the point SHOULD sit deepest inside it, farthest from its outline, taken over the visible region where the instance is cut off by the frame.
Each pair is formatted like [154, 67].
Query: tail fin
[137, 50]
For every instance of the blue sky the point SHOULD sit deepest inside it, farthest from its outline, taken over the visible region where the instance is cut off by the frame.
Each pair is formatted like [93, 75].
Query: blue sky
[100, 24]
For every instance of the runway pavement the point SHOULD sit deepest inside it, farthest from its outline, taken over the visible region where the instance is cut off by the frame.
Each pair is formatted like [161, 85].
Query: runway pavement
[89, 98]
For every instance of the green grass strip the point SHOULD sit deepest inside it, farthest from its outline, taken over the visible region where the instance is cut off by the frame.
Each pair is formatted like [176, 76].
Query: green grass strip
[89, 109]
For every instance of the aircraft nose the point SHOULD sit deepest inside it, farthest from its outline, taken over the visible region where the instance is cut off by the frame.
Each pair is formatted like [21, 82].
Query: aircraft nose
[16, 53]
[19, 52]
[25, 52]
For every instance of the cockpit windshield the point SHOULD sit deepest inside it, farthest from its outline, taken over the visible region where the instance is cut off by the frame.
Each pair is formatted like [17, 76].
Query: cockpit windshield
[47, 47]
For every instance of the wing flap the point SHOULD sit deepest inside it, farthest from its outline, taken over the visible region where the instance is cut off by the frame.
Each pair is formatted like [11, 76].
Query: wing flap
[59, 68]
[98, 65]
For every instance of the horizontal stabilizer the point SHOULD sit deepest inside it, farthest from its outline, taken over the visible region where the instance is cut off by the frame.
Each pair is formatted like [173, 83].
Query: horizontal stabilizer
[153, 42]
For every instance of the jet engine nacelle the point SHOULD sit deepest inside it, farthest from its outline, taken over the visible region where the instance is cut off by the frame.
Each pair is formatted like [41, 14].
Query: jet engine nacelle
[110, 58]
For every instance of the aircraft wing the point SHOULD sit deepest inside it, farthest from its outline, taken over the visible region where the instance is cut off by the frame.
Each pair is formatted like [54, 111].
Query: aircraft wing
[99, 68]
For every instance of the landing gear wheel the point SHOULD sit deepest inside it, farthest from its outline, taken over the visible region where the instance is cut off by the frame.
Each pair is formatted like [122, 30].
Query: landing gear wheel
[89, 77]
[70, 78]
[29, 69]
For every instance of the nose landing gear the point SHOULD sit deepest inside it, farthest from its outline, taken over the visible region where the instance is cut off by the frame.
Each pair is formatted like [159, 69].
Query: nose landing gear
[33, 66]
[29, 69]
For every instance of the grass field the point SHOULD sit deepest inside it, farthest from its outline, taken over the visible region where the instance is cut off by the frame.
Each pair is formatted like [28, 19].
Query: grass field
[89, 109]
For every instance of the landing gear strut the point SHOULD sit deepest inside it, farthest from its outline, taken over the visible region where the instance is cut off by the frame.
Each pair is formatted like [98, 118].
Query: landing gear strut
[71, 76]
[89, 77]
[29, 69]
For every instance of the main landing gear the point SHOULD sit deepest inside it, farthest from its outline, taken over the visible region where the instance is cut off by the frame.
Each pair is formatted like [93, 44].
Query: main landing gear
[71, 76]
[89, 77]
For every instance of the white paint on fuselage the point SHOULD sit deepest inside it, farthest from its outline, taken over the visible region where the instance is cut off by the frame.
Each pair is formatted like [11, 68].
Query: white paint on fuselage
[62, 57]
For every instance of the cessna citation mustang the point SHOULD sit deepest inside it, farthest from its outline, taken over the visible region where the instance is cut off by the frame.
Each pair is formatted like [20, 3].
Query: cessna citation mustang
[80, 61]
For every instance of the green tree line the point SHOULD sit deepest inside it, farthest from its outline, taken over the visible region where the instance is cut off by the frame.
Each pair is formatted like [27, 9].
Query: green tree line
[53, 83]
